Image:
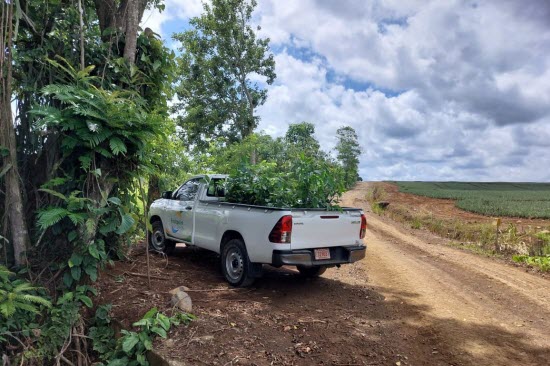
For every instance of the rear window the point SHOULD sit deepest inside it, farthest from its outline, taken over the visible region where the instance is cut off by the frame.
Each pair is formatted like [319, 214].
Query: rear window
[216, 188]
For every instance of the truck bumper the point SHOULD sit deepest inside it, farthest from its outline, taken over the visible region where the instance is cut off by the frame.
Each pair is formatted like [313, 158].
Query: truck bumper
[305, 257]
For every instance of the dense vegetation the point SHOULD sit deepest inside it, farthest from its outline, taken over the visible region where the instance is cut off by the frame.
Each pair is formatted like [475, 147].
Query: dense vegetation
[94, 141]
[529, 200]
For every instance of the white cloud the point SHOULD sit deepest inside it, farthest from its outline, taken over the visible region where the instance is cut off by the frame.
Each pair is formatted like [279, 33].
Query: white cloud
[435, 89]
[174, 10]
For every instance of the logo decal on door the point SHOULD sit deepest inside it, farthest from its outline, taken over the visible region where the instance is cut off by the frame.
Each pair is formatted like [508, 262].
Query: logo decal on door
[177, 225]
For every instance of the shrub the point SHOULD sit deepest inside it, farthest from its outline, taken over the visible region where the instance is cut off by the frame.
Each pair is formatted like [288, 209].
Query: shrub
[130, 349]
[543, 263]
[18, 295]
[305, 182]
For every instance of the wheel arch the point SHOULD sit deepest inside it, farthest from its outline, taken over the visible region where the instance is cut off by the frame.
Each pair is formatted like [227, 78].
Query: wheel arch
[230, 235]
[155, 218]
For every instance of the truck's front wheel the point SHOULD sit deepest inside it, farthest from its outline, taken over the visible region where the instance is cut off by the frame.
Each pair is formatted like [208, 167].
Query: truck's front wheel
[158, 241]
[235, 264]
[314, 271]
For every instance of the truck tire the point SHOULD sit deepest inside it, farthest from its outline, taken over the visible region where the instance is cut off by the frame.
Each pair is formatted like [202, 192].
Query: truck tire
[158, 241]
[314, 271]
[236, 266]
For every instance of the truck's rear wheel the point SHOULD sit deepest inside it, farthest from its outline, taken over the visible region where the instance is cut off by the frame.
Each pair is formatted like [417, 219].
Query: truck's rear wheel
[314, 271]
[235, 264]
[158, 241]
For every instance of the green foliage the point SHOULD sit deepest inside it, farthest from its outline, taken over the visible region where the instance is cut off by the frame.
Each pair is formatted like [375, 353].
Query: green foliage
[292, 171]
[348, 154]
[130, 349]
[375, 195]
[97, 125]
[20, 305]
[301, 137]
[224, 159]
[543, 263]
[416, 223]
[103, 136]
[544, 236]
[219, 55]
[18, 296]
[86, 138]
[531, 200]
[377, 208]
[82, 215]
[303, 182]
[168, 157]
[58, 324]
[102, 333]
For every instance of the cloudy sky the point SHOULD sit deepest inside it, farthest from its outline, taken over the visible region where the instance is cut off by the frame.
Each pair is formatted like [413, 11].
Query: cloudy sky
[437, 90]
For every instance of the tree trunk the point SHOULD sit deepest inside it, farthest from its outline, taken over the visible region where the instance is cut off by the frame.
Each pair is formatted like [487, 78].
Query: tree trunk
[80, 11]
[131, 29]
[97, 188]
[14, 200]
[123, 16]
[249, 128]
[153, 191]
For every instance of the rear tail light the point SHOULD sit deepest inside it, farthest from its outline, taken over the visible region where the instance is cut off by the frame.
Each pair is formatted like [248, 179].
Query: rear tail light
[282, 231]
[363, 226]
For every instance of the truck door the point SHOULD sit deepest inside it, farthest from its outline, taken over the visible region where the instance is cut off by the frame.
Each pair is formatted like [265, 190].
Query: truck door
[180, 211]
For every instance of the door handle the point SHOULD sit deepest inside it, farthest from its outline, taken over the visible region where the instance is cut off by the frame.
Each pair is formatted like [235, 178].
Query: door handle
[189, 208]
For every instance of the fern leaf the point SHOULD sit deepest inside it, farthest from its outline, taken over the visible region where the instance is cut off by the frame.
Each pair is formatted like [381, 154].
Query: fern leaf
[117, 146]
[25, 306]
[54, 182]
[83, 74]
[21, 286]
[90, 226]
[51, 216]
[104, 152]
[67, 67]
[85, 162]
[77, 218]
[89, 112]
[37, 300]
[7, 308]
[5, 273]
[69, 143]
[54, 193]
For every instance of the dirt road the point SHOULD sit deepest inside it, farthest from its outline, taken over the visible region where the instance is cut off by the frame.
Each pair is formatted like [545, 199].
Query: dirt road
[473, 309]
[412, 301]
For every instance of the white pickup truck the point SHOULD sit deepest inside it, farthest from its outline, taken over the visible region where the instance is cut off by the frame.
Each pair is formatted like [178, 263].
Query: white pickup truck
[246, 237]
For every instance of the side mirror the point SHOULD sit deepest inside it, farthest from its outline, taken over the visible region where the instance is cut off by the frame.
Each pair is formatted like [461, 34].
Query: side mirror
[167, 195]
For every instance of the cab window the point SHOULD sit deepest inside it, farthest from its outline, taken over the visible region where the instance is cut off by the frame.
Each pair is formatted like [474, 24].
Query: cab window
[188, 191]
[216, 188]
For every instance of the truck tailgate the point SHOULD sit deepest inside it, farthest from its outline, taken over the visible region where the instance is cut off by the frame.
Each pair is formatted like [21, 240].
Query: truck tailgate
[322, 229]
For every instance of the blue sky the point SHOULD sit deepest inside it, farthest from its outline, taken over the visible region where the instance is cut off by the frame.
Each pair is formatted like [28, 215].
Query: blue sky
[437, 90]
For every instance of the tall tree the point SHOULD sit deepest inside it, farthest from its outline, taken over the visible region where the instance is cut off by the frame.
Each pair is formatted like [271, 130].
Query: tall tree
[13, 196]
[217, 96]
[301, 136]
[348, 153]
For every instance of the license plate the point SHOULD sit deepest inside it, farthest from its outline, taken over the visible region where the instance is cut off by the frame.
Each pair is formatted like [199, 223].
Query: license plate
[322, 254]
